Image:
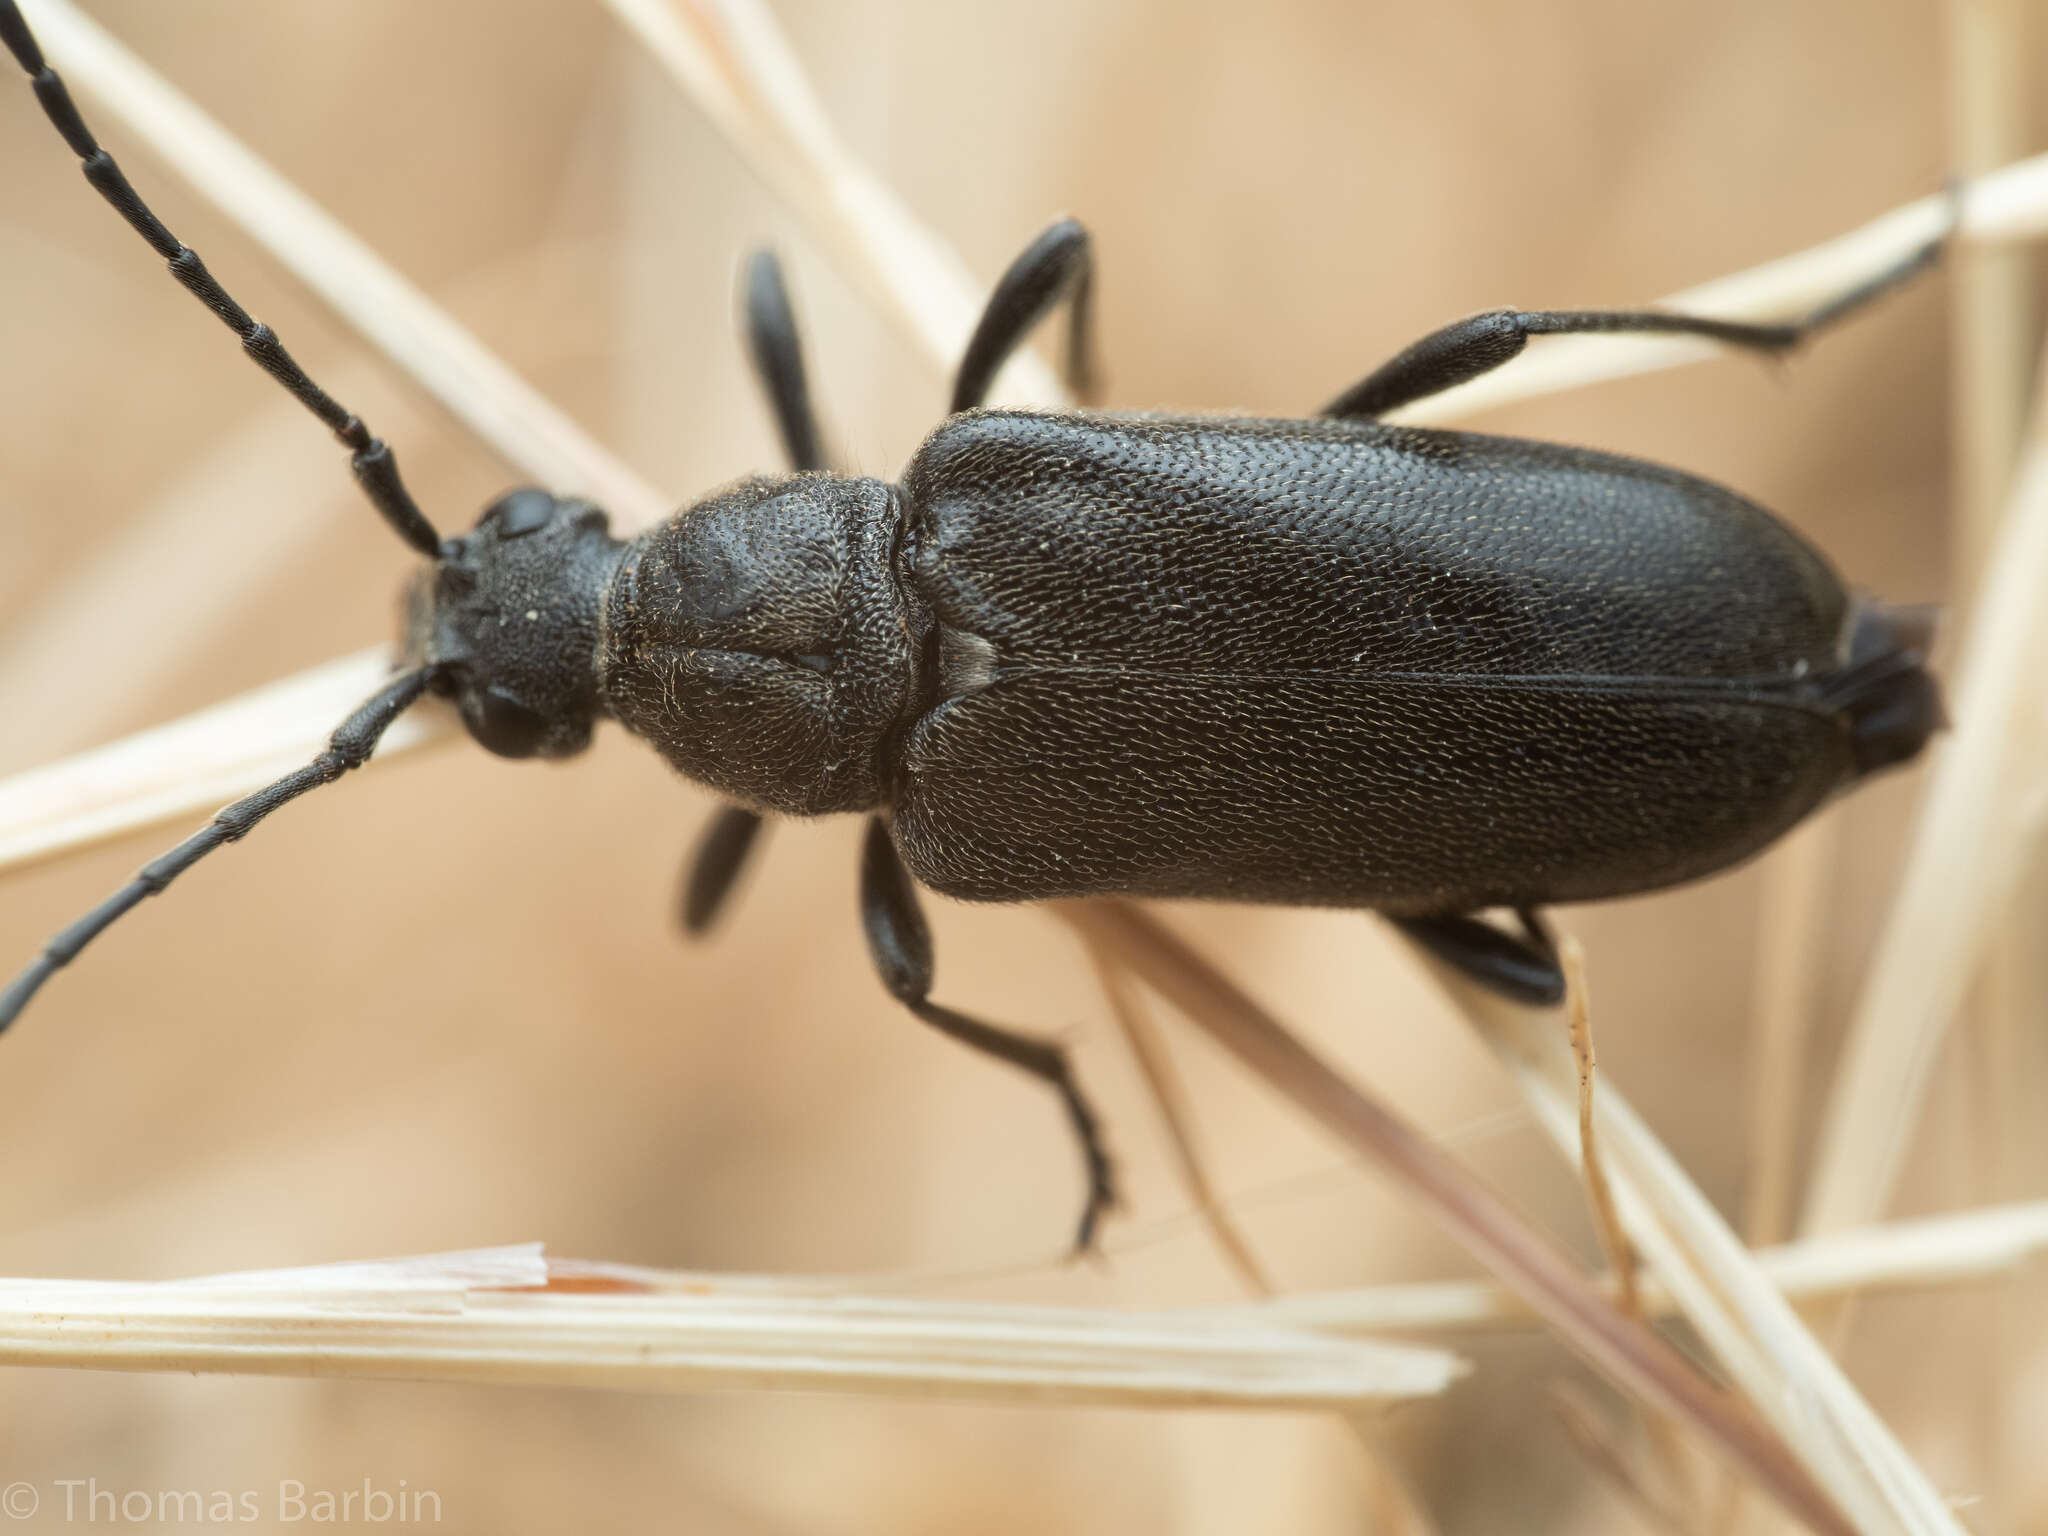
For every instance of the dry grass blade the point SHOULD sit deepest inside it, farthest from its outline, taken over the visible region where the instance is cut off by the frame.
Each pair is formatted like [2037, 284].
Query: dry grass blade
[507, 1316]
[407, 327]
[1937, 1250]
[1666, 1446]
[1596, 1440]
[1621, 1258]
[1155, 1060]
[196, 763]
[1970, 850]
[195, 536]
[1623, 1349]
[1789, 933]
[1995, 70]
[1750, 1328]
[732, 60]
[2003, 205]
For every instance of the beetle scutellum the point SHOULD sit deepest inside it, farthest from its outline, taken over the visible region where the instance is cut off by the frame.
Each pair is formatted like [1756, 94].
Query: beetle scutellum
[1322, 662]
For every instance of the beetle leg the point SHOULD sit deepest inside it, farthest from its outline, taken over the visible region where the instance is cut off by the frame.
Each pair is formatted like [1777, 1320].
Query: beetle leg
[1056, 265]
[775, 348]
[902, 946]
[1523, 969]
[715, 866]
[1465, 349]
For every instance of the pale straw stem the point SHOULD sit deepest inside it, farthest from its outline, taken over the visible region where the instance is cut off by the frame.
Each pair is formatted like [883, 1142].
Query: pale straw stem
[419, 338]
[1633, 1357]
[1971, 847]
[1744, 1320]
[454, 1319]
[1959, 1248]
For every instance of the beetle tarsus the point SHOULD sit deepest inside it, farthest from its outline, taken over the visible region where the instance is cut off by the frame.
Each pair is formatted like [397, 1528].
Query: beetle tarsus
[1523, 969]
[901, 943]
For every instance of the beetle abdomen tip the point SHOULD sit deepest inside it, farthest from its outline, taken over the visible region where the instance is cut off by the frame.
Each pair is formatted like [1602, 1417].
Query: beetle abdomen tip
[1892, 701]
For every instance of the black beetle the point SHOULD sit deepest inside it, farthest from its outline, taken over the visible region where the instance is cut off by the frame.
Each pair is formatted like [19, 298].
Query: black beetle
[1325, 662]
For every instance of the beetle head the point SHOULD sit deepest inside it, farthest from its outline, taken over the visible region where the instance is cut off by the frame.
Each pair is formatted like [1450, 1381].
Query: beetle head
[506, 622]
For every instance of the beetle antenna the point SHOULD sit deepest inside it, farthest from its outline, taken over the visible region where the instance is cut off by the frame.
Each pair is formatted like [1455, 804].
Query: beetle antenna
[350, 747]
[375, 466]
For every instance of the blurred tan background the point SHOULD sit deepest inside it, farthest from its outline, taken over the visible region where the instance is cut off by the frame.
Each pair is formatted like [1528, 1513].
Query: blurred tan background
[445, 1004]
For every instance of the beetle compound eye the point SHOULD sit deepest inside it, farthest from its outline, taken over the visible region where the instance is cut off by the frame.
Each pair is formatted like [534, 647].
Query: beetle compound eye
[503, 725]
[521, 512]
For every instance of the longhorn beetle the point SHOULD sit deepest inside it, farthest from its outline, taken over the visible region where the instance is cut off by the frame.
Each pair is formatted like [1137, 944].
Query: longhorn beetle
[1325, 662]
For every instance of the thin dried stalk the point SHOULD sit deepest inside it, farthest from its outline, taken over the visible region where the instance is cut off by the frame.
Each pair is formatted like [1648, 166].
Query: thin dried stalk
[508, 1316]
[1596, 1441]
[2005, 205]
[419, 338]
[1665, 1443]
[197, 763]
[1394, 1504]
[1790, 928]
[1618, 1346]
[1621, 1258]
[732, 61]
[1995, 73]
[1752, 1331]
[1971, 848]
[1155, 1060]
[1994, 77]
[1954, 1249]
[197, 536]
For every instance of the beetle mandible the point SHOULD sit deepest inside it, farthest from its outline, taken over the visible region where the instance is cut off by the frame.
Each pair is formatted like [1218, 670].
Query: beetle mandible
[1321, 662]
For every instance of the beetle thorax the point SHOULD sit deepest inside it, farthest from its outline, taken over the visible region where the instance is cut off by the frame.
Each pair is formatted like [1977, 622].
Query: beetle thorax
[760, 641]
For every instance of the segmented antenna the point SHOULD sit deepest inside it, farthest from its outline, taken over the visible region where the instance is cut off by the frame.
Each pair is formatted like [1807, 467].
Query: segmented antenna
[350, 747]
[375, 466]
